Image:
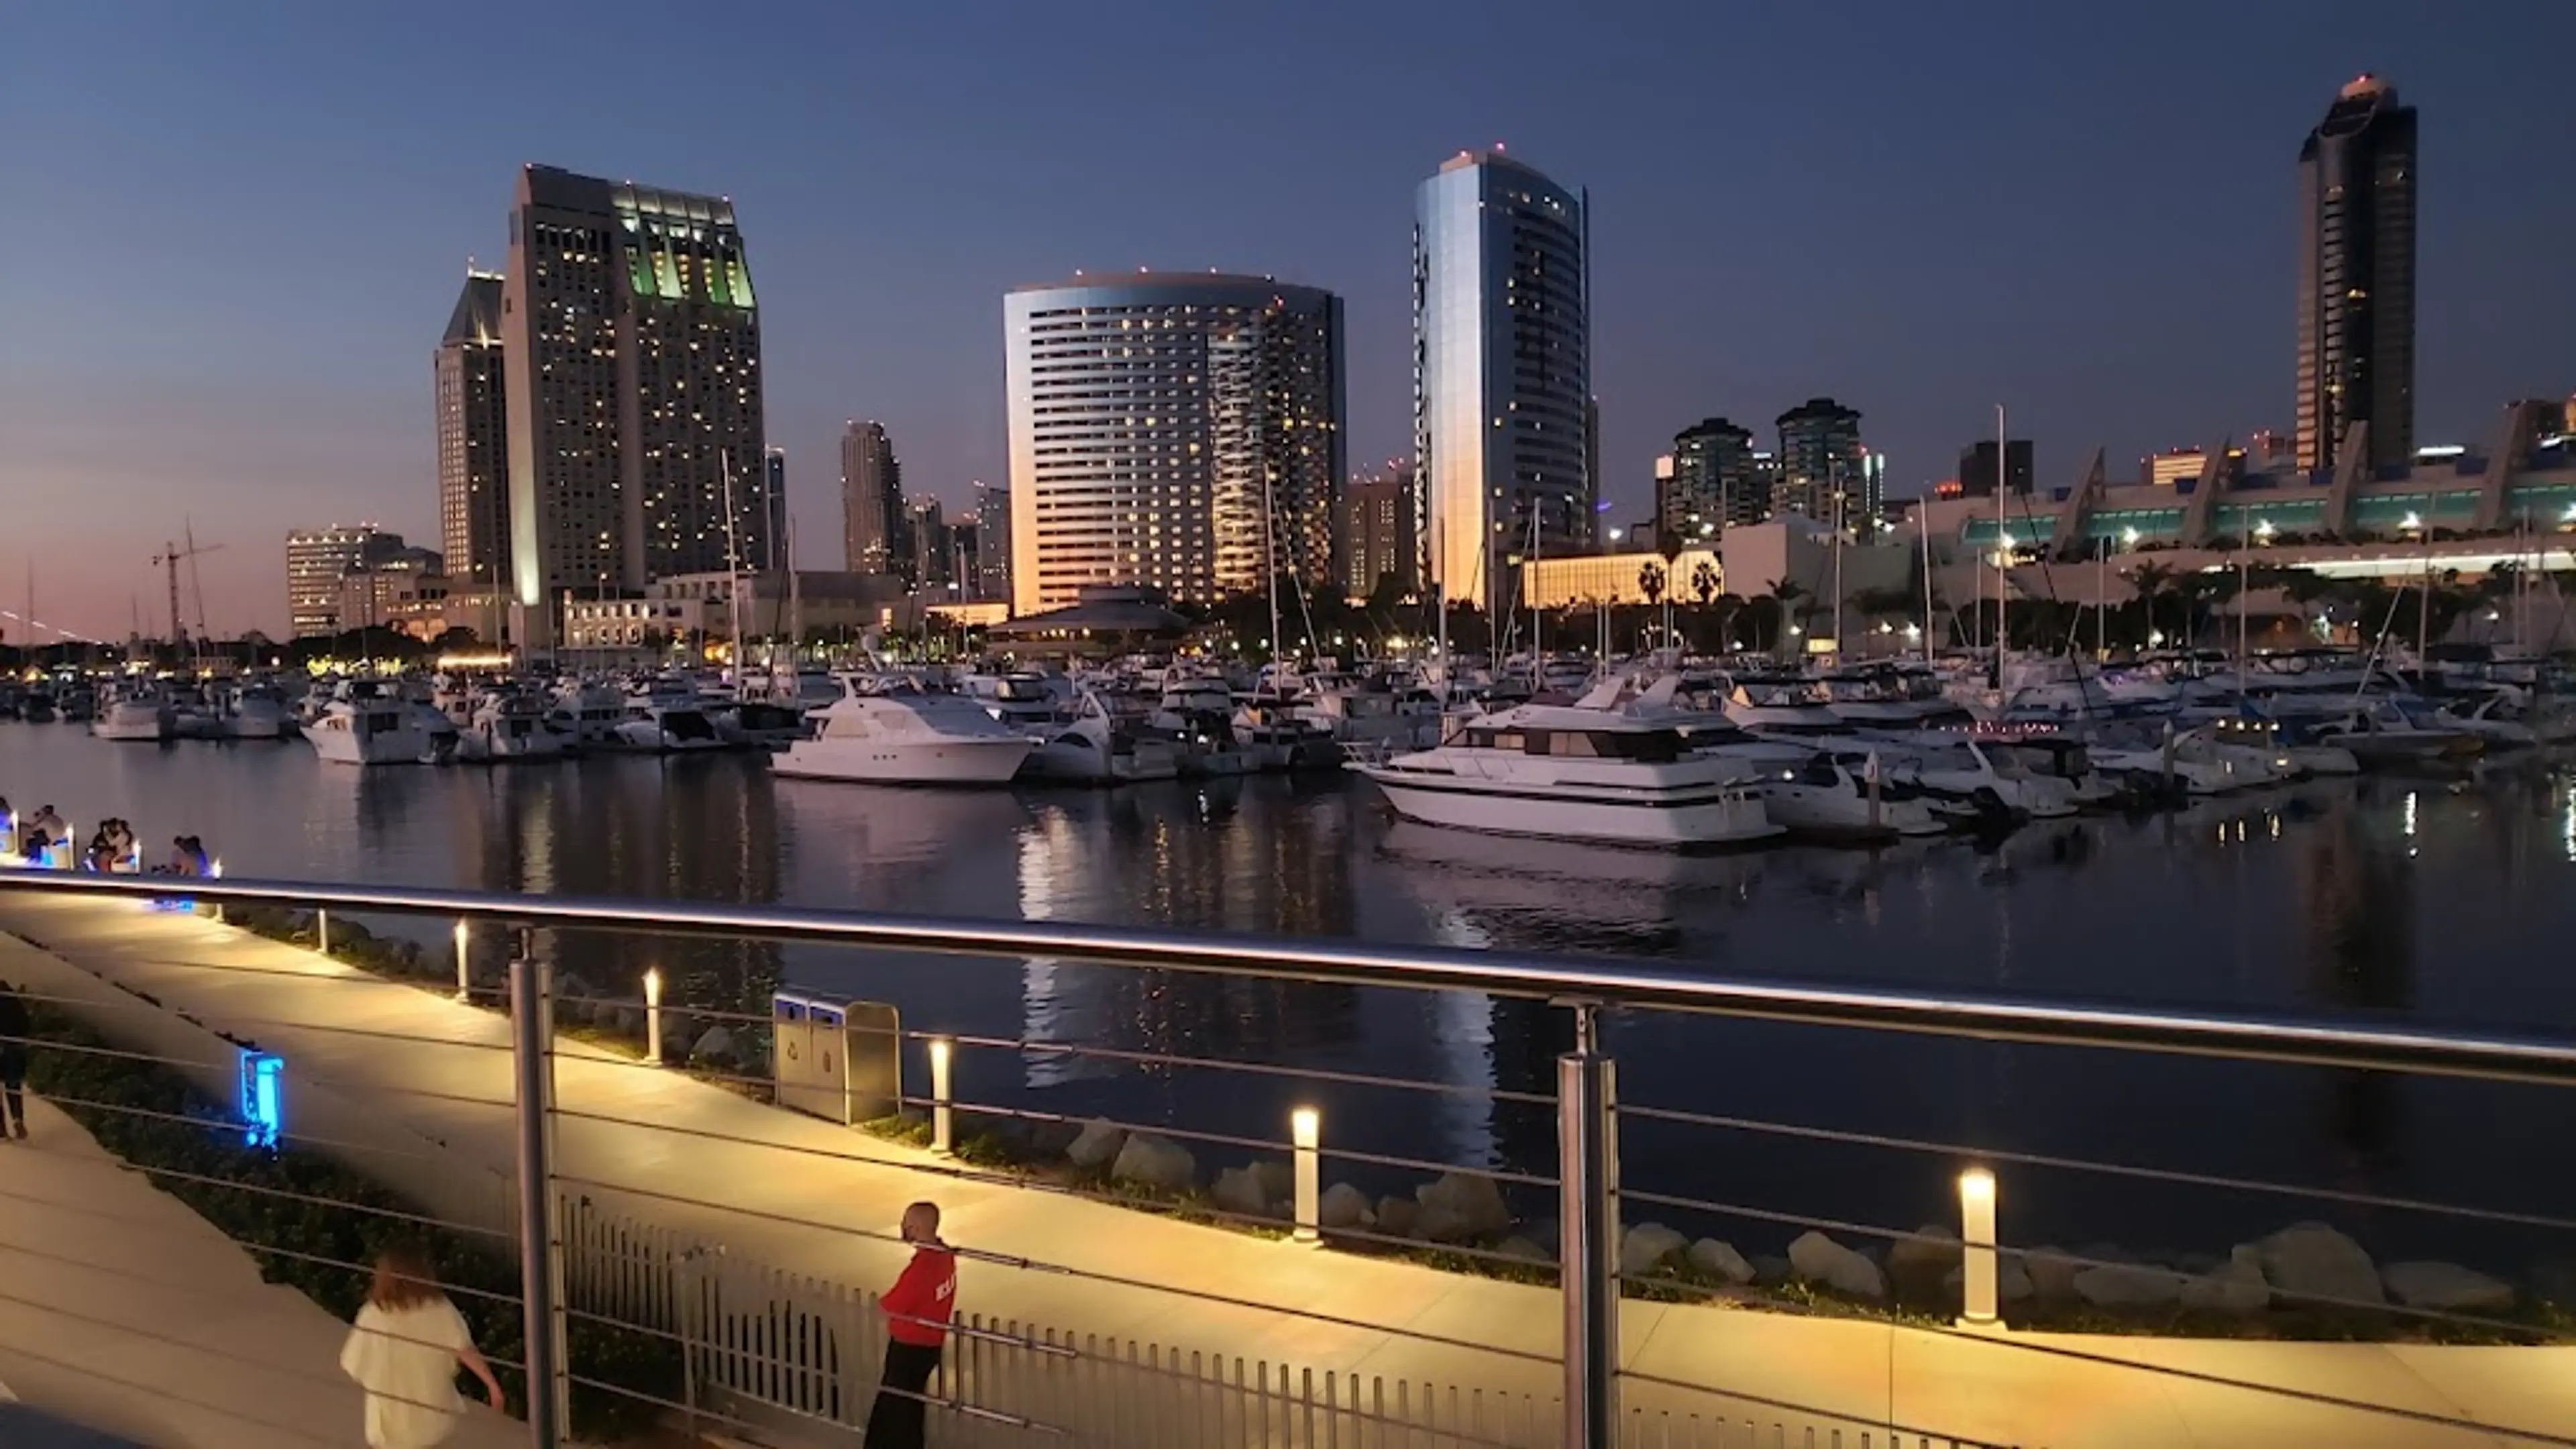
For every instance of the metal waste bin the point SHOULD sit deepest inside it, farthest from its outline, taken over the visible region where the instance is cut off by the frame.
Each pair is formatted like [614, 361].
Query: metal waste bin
[840, 1061]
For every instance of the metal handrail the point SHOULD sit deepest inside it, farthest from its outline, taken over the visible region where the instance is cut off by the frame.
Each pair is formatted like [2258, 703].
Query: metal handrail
[1605, 982]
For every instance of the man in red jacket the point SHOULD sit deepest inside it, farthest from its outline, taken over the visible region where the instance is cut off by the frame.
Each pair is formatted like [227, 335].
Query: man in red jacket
[916, 1309]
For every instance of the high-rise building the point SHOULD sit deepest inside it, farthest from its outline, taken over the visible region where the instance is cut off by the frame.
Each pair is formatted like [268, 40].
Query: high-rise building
[1381, 543]
[473, 442]
[1173, 429]
[633, 346]
[932, 561]
[2357, 278]
[1977, 468]
[992, 543]
[1820, 455]
[1709, 485]
[317, 560]
[871, 501]
[1502, 372]
[773, 499]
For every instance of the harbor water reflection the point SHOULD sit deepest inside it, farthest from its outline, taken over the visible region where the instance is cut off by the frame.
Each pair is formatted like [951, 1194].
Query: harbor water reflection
[2434, 901]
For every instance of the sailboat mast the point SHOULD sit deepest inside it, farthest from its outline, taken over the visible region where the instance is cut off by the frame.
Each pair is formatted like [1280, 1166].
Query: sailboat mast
[1923, 531]
[734, 606]
[2003, 552]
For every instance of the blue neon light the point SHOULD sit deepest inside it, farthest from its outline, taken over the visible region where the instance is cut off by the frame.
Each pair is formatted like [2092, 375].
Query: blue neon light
[263, 1089]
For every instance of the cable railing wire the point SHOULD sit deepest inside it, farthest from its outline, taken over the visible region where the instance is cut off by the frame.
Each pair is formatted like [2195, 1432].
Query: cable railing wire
[2116, 1169]
[1608, 982]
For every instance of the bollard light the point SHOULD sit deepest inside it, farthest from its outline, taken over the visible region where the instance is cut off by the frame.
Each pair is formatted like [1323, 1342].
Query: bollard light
[1306, 1133]
[464, 963]
[653, 1016]
[322, 931]
[1977, 1244]
[215, 871]
[942, 1117]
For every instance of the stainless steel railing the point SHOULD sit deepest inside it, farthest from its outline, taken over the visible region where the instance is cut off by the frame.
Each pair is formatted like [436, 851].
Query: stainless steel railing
[1585, 1103]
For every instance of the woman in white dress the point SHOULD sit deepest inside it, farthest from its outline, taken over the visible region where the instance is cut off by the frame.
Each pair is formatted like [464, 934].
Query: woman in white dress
[405, 1350]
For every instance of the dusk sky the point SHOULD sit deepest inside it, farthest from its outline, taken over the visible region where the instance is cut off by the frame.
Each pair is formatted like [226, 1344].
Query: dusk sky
[235, 231]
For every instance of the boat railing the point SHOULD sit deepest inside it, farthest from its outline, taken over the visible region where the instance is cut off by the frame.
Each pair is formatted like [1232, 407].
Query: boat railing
[684, 1205]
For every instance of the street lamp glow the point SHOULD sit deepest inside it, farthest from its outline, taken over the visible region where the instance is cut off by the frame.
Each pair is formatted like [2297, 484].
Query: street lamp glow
[653, 1016]
[1977, 1243]
[2129, 536]
[942, 1114]
[2412, 521]
[1306, 1134]
[2263, 530]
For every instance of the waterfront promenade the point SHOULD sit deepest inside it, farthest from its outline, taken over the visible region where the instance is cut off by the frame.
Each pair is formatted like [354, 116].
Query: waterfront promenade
[796, 1193]
[125, 1314]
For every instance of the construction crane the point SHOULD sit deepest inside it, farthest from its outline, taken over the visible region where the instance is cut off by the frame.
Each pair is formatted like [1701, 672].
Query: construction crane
[169, 559]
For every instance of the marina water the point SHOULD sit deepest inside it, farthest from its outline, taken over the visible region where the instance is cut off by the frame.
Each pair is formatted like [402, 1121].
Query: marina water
[2448, 901]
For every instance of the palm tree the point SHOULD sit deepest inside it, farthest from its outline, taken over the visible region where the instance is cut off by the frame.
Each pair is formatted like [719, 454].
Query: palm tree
[2150, 580]
[1784, 596]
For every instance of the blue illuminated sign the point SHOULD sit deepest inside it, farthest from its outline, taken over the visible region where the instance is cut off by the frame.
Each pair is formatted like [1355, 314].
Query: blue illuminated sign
[263, 1088]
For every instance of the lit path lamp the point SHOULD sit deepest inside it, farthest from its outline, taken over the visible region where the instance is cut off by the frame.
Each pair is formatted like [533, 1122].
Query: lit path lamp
[464, 963]
[322, 931]
[1306, 1134]
[1977, 1245]
[943, 1139]
[653, 1016]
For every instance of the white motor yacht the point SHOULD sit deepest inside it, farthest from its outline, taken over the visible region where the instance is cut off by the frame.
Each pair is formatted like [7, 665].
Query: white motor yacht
[1592, 771]
[664, 718]
[1093, 747]
[1841, 797]
[589, 711]
[893, 732]
[133, 711]
[2383, 733]
[253, 712]
[1967, 772]
[505, 725]
[1274, 735]
[367, 724]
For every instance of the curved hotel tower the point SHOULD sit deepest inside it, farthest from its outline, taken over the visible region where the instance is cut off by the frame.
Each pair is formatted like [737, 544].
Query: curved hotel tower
[1157, 419]
[1502, 368]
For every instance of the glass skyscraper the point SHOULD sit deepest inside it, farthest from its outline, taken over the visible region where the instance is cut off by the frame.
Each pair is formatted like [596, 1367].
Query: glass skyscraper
[1821, 457]
[633, 364]
[1153, 420]
[1502, 372]
[2357, 277]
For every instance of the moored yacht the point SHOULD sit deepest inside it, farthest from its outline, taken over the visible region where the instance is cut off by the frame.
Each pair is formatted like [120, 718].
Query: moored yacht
[1587, 771]
[664, 718]
[368, 724]
[133, 711]
[505, 725]
[1094, 747]
[896, 733]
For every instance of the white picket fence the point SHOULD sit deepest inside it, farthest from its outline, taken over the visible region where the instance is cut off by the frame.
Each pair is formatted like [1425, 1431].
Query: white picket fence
[794, 1359]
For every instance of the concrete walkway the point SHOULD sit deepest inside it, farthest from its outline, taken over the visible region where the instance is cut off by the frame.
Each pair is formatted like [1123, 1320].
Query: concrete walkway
[753, 1177]
[127, 1319]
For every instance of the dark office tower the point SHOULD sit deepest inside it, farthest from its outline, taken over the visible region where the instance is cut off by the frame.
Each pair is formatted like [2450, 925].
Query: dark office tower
[1502, 369]
[992, 543]
[1380, 543]
[773, 500]
[1977, 468]
[871, 500]
[474, 440]
[928, 532]
[1820, 455]
[1711, 483]
[2357, 278]
[633, 348]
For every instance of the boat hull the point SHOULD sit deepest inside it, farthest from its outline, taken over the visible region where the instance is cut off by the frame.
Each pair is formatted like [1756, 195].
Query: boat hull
[971, 762]
[1676, 820]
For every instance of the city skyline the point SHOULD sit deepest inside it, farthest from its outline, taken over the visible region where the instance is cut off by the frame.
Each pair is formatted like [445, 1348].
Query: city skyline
[1977, 272]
